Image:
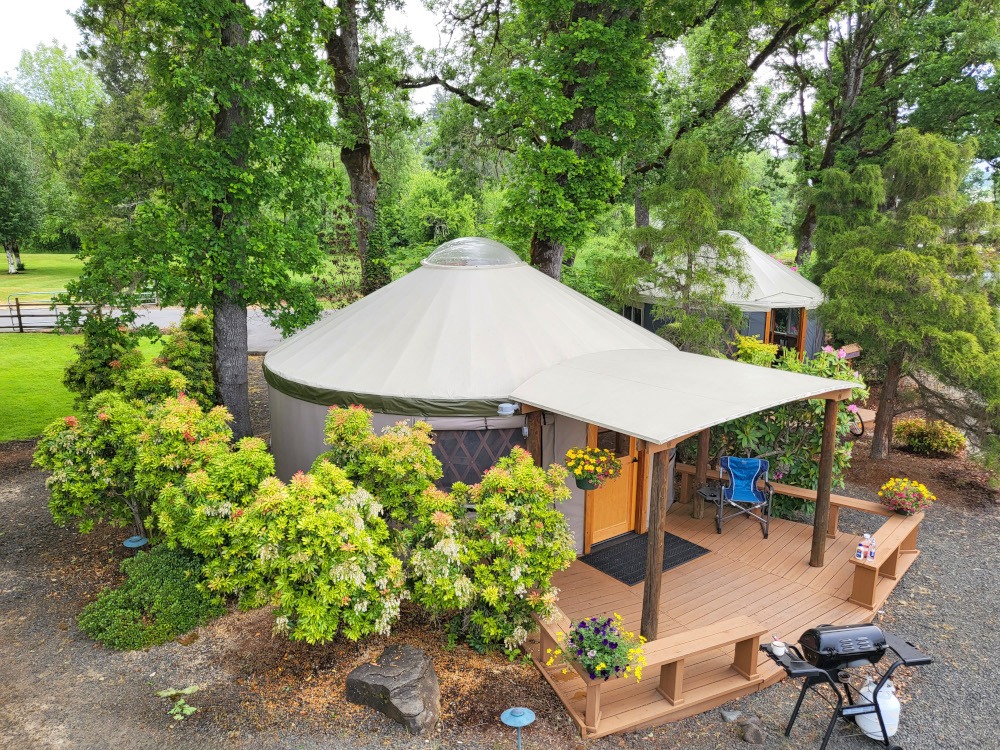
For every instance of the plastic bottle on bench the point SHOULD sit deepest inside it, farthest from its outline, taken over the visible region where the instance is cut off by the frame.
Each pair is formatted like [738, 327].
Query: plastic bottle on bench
[871, 550]
[862, 551]
[867, 541]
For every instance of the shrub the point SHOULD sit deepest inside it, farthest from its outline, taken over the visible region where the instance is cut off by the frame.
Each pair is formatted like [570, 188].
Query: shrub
[108, 351]
[791, 435]
[199, 512]
[190, 351]
[323, 543]
[929, 438]
[396, 466]
[508, 552]
[317, 548]
[905, 495]
[752, 350]
[158, 601]
[110, 463]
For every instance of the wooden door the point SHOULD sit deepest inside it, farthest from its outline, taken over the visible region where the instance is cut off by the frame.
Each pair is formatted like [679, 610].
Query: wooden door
[611, 510]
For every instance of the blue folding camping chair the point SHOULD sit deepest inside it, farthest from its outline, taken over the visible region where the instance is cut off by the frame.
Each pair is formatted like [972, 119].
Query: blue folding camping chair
[739, 490]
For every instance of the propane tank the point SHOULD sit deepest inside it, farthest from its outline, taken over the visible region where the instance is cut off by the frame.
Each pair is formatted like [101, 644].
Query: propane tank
[888, 704]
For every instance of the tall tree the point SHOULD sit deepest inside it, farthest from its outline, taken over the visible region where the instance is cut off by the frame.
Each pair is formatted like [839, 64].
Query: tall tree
[904, 258]
[20, 197]
[567, 87]
[215, 205]
[854, 79]
[366, 63]
[692, 265]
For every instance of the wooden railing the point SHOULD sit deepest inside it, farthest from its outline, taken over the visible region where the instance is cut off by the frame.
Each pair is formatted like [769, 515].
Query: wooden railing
[837, 502]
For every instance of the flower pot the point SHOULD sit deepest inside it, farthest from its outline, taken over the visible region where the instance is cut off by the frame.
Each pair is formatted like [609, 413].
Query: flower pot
[587, 484]
[904, 512]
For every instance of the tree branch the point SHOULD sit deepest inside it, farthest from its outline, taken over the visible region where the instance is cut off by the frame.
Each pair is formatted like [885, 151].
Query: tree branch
[436, 80]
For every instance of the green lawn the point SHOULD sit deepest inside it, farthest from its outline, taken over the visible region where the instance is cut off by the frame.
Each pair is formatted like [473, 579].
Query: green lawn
[45, 272]
[31, 389]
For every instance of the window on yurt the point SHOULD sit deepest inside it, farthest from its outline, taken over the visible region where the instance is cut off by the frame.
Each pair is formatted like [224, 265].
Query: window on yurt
[465, 455]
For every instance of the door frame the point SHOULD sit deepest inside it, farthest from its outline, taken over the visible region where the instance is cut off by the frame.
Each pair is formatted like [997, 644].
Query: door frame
[640, 489]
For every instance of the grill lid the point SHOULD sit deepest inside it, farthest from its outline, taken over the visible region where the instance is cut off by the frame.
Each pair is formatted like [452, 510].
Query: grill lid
[839, 646]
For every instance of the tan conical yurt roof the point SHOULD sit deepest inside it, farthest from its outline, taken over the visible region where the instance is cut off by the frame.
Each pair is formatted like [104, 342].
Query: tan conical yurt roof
[454, 337]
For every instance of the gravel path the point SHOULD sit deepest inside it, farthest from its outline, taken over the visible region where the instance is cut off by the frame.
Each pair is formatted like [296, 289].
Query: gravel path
[63, 691]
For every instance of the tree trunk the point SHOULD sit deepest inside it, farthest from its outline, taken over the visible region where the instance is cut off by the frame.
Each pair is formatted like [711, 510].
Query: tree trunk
[343, 53]
[806, 230]
[13, 258]
[229, 337]
[229, 325]
[547, 256]
[882, 436]
[642, 222]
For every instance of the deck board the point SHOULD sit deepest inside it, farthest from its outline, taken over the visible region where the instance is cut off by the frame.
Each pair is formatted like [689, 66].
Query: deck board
[769, 580]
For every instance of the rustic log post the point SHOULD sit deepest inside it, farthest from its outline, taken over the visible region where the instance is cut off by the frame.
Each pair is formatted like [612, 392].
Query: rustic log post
[821, 520]
[700, 473]
[535, 436]
[20, 320]
[662, 485]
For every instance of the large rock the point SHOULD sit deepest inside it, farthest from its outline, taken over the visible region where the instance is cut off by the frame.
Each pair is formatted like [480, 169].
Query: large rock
[401, 684]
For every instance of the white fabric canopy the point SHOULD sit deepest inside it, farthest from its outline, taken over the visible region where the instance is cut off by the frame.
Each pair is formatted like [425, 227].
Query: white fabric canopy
[661, 396]
[456, 336]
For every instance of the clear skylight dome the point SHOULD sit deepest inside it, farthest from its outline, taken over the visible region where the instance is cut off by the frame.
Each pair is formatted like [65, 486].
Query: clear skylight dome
[472, 252]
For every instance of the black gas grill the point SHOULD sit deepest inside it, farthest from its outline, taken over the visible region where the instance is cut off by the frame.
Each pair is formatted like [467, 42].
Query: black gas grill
[837, 647]
[828, 654]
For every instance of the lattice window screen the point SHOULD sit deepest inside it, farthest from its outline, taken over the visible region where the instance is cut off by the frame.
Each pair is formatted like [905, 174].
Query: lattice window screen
[465, 455]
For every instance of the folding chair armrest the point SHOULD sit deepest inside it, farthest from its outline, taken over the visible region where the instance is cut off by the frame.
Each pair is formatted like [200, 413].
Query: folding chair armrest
[768, 488]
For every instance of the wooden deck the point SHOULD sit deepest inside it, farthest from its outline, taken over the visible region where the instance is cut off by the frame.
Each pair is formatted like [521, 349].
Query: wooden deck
[769, 581]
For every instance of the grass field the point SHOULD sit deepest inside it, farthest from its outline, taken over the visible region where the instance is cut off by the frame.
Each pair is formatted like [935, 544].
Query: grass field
[44, 272]
[31, 389]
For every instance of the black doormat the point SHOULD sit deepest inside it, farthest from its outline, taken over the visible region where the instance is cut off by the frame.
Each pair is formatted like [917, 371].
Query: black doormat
[626, 559]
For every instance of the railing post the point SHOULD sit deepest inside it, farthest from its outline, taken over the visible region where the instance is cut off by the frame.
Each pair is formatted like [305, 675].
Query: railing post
[20, 322]
[821, 521]
[662, 484]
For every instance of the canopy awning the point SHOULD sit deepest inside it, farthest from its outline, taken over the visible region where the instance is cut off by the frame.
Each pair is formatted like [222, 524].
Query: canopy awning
[661, 395]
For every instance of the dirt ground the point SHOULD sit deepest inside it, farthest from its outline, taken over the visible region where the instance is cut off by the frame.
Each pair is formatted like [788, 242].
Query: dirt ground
[61, 690]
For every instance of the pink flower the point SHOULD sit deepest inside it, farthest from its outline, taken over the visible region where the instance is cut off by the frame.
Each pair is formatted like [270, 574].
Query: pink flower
[795, 268]
[828, 349]
[853, 408]
[841, 354]
[71, 421]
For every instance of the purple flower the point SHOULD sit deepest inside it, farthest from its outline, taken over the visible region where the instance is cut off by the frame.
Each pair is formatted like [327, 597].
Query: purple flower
[853, 408]
[613, 645]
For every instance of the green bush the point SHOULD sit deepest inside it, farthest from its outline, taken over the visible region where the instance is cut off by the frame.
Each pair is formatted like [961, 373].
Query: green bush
[190, 351]
[159, 600]
[752, 350]
[110, 463]
[395, 466]
[790, 436]
[929, 438]
[109, 350]
[321, 543]
[491, 571]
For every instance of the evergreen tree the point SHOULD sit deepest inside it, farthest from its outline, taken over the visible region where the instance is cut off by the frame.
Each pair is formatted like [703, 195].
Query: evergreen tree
[904, 263]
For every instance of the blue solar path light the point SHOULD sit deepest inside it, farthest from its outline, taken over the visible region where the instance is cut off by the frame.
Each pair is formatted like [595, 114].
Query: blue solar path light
[135, 543]
[517, 717]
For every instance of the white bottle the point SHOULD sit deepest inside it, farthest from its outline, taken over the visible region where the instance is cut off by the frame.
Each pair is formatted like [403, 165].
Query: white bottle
[861, 552]
[871, 550]
[867, 542]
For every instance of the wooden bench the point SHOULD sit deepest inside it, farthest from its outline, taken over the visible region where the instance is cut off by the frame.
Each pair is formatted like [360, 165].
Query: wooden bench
[669, 654]
[895, 551]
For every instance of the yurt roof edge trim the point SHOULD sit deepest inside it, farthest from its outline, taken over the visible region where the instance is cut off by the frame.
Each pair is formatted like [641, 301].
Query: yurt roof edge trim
[412, 406]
